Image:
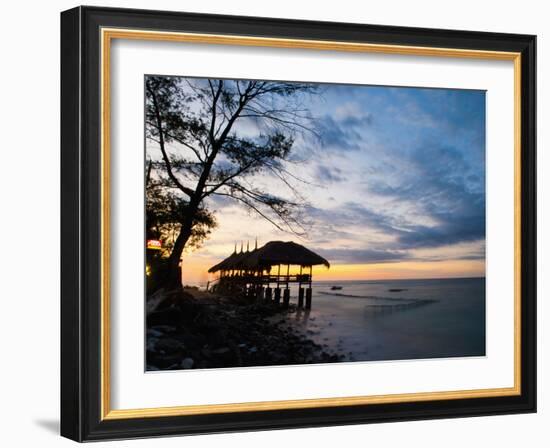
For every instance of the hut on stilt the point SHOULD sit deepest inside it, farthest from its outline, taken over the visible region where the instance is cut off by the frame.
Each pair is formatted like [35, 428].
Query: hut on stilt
[264, 272]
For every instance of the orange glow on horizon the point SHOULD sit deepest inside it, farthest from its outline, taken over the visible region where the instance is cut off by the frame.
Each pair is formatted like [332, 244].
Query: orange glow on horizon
[195, 270]
[402, 270]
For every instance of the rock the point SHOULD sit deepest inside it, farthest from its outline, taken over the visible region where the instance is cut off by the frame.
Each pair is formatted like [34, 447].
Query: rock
[163, 361]
[155, 300]
[152, 333]
[168, 345]
[163, 328]
[195, 341]
[221, 351]
[215, 333]
[167, 316]
[187, 363]
[152, 344]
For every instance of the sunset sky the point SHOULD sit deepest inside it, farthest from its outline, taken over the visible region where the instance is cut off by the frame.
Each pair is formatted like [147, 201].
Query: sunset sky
[394, 187]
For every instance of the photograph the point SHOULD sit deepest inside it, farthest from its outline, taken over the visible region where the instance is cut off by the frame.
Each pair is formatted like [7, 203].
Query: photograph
[279, 223]
[291, 223]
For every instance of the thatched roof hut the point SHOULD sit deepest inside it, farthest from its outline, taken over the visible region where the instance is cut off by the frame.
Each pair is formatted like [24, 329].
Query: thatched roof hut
[283, 252]
[271, 254]
[244, 272]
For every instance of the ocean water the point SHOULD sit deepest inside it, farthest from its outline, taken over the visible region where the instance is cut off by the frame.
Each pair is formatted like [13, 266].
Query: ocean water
[397, 319]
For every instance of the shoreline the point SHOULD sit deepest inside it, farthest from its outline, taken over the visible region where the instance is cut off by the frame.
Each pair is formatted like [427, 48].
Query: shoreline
[193, 329]
[364, 322]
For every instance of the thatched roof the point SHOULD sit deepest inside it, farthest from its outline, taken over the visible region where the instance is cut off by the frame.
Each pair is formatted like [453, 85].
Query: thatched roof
[231, 262]
[271, 254]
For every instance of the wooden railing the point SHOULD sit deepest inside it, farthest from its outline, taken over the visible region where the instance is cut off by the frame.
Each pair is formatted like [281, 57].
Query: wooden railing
[265, 279]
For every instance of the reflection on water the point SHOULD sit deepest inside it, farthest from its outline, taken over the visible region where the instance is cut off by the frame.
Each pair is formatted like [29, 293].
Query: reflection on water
[384, 305]
[405, 319]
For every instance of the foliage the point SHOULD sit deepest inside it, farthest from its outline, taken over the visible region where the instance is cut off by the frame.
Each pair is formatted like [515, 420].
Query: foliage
[164, 212]
[215, 137]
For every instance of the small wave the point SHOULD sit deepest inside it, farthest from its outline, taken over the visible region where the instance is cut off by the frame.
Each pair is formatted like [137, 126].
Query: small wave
[385, 304]
[355, 296]
[403, 306]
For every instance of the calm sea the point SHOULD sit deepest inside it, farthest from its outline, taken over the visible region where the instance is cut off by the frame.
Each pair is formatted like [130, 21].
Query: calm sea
[397, 319]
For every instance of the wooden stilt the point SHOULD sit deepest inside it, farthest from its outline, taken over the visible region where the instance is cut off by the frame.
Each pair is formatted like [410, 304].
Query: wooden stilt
[308, 290]
[286, 297]
[287, 275]
[300, 289]
[300, 297]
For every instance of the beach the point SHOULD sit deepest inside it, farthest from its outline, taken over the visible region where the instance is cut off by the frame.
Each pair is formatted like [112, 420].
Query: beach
[193, 329]
[349, 321]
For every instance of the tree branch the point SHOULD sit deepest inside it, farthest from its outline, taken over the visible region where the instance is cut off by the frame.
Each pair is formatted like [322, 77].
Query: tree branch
[172, 176]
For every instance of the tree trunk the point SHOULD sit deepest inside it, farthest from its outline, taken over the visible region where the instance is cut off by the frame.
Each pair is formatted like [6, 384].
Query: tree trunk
[173, 276]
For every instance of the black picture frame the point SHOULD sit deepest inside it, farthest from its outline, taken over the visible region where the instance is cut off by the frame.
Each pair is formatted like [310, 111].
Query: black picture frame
[81, 224]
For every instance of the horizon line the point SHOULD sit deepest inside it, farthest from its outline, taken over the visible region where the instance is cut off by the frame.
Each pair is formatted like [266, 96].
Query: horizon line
[408, 278]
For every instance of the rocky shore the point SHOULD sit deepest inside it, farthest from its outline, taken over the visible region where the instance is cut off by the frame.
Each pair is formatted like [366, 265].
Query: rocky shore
[192, 329]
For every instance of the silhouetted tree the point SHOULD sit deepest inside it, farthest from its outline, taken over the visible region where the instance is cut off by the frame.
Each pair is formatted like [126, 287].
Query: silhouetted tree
[165, 212]
[207, 149]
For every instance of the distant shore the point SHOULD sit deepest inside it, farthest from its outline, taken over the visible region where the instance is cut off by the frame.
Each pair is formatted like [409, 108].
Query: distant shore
[192, 329]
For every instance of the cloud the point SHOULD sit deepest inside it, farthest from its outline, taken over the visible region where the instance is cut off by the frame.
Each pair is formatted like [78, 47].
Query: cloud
[410, 114]
[452, 230]
[362, 255]
[335, 136]
[439, 187]
[437, 200]
[397, 174]
[343, 132]
[325, 174]
[338, 222]
[219, 203]
[426, 205]
[357, 121]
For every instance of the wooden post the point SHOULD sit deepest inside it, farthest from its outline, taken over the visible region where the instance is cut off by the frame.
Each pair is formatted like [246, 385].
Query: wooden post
[300, 289]
[287, 275]
[308, 290]
[300, 297]
[278, 289]
[268, 294]
[286, 292]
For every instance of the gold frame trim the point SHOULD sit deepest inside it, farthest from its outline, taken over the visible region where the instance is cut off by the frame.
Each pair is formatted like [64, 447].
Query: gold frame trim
[107, 35]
